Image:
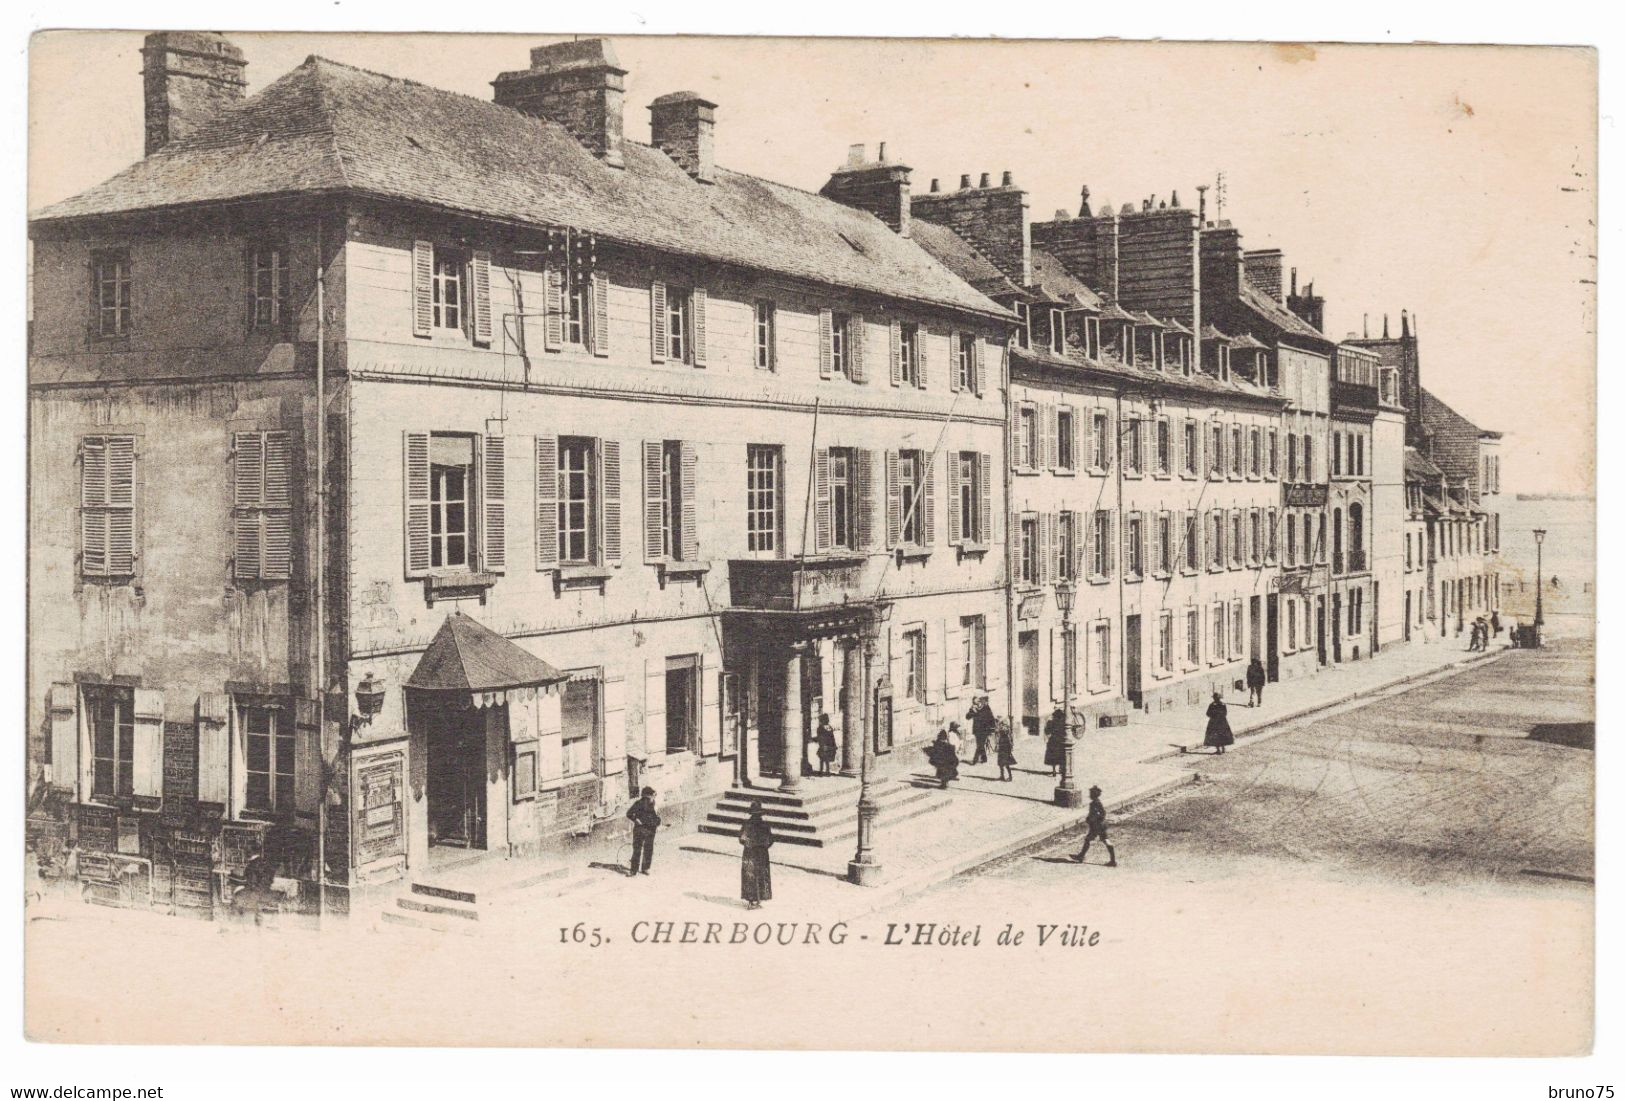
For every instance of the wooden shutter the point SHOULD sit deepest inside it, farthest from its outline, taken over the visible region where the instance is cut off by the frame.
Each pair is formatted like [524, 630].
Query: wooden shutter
[654, 708]
[977, 369]
[984, 474]
[480, 277]
[416, 477]
[955, 521]
[422, 288]
[549, 740]
[1088, 543]
[894, 500]
[920, 341]
[547, 502]
[278, 468]
[1052, 432]
[864, 475]
[821, 504]
[659, 344]
[1080, 545]
[1046, 547]
[600, 314]
[307, 757]
[654, 501]
[276, 556]
[148, 758]
[1109, 544]
[896, 352]
[213, 748]
[854, 339]
[494, 504]
[689, 525]
[1073, 440]
[248, 468]
[697, 313]
[610, 481]
[552, 309]
[64, 735]
[953, 362]
[826, 343]
[614, 751]
[928, 487]
[120, 554]
[1013, 547]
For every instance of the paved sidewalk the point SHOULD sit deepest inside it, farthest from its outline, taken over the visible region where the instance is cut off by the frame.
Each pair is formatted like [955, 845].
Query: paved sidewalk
[696, 876]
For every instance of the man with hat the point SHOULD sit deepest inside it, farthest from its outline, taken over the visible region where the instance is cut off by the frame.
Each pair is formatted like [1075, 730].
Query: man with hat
[644, 823]
[1096, 821]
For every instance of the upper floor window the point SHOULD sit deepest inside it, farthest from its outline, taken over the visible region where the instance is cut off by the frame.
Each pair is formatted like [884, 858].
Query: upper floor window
[455, 499]
[107, 506]
[964, 361]
[840, 344]
[1027, 560]
[448, 289]
[912, 505]
[451, 484]
[1057, 331]
[763, 504]
[1134, 446]
[1065, 435]
[262, 535]
[679, 316]
[764, 334]
[1216, 458]
[110, 291]
[1028, 444]
[908, 355]
[843, 498]
[1274, 454]
[1066, 544]
[1193, 448]
[1192, 556]
[578, 308]
[1100, 449]
[1165, 448]
[1024, 325]
[1308, 457]
[1256, 446]
[972, 492]
[576, 500]
[1235, 451]
[1291, 457]
[669, 521]
[1100, 545]
[268, 265]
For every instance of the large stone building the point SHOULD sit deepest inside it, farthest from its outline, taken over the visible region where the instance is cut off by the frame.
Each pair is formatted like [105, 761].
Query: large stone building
[413, 472]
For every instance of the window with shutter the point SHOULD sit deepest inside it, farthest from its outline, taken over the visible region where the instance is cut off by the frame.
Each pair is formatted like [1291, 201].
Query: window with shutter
[655, 539]
[960, 478]
[261, 485]
[863, 522]
[696, 325]
[821, 502]
[896, 353]
[826, 343]
[422, 288]
[611, 504]
[855, 330]
[688, 495]
[553, 309]
[984, 473]
[928, 488]
[107, 506]
[659, 346]
[600, 314]
[978, 373]
[894, 500]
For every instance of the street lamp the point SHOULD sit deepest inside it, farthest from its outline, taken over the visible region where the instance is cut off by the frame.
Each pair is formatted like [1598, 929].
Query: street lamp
[1540, 583]
[1066, 792]
[863, 869]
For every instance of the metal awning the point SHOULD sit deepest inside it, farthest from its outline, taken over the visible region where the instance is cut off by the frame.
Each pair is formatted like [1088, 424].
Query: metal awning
[468, 658]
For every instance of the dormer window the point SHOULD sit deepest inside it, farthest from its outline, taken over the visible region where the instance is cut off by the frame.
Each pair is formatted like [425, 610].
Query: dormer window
[1057, 331]
[1224, 362]
[1091, 330]
[1024, 326]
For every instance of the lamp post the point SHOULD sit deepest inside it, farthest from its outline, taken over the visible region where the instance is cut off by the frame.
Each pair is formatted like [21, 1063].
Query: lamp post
[863, 869]
[1066, 792]
[1540, 583]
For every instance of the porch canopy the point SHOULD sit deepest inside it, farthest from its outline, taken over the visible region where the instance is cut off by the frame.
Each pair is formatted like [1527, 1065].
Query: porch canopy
[469, 659]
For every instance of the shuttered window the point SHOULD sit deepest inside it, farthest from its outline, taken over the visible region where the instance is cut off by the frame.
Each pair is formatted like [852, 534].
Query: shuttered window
[262, 498]
[107, 506]
[110, 720]
[670, 470]
[578, 501]
[456, 503]
[268, 743]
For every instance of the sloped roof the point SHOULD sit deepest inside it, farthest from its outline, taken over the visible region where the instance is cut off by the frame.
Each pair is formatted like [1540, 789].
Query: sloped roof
[1418, 464]
[1196, 382]
[1445, 424]
[1273, 313]
[962, 258]
[467, 656]
[1057, 282]
[327, 127]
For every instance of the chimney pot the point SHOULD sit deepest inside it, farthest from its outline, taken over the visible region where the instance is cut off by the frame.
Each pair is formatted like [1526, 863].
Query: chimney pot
[1083, 205]
[1007, 180]
[187, 78]
[1173, 200]
[986, 180]
[880, 153]
[579, 85]
[881, 188]
[855, 155]
[1062, 214]
[964, 181]
[936, 185]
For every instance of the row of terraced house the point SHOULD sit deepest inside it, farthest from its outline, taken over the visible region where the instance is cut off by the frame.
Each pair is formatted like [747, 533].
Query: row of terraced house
[412, 473]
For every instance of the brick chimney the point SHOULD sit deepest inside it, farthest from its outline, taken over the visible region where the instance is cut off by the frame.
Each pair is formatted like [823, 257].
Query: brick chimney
[1263, 267]
[1222, 264]
[994, 219]
[684, 125]
[1308, 305]
[187, 78]
[878, 186]
[579, 85]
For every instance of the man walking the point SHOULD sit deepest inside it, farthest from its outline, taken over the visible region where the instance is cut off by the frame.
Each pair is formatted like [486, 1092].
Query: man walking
[1095, 820]
[1255, 684]
[645, 821]
[981, 727]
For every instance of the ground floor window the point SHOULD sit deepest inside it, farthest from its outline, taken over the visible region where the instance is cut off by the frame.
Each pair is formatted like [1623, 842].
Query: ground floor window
[268, 747]
[579, 715]
[1102, 655]
[1165, 641]
[973, 651]
[1193, 637]
[914, 664]
[682, 703]
[111, 718]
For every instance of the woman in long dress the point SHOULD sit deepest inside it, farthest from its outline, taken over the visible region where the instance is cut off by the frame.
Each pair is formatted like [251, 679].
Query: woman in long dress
[1218, 725]
[944, 758]
[1055, 741]
[755, 873]
[1006, 751]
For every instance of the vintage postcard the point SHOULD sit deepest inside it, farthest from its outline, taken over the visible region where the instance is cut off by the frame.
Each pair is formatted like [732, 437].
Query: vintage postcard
[810, 544]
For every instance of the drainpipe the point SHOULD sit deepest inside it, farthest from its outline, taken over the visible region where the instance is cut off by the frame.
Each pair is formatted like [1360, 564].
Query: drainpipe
[1009, 574]
[321, 572]
[1122, 567]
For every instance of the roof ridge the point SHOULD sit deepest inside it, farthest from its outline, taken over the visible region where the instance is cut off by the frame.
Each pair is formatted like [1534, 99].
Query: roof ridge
[326, 109]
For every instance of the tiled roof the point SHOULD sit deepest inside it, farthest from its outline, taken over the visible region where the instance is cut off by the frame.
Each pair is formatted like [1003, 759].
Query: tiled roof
[1416, 463]
[328, 127]
[1052, 277]
[1198, 382]
[1273, 313]
[1453, 439]
[962, 258]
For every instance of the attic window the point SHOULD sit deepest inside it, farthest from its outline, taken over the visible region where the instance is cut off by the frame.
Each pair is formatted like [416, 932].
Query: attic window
[857, 248]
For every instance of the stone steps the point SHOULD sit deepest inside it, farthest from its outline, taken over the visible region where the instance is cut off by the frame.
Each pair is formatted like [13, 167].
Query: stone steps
[819, 817]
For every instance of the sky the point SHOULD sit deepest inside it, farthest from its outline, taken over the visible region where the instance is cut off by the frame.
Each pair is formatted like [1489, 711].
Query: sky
[1453, 182]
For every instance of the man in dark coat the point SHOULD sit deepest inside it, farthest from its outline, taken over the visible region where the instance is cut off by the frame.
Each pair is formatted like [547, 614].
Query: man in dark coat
[981, 727]
[644, 824]
[1255, 684]
[1095, 820]
[1055, 741]
[755, 873]
[1218, 725]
